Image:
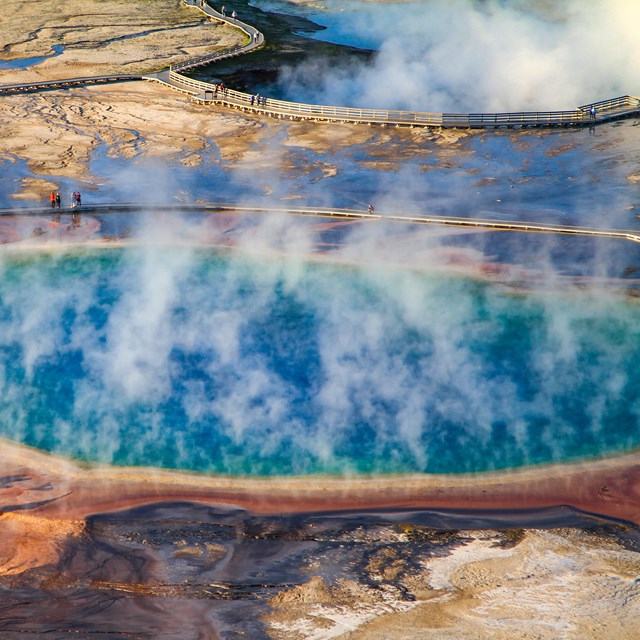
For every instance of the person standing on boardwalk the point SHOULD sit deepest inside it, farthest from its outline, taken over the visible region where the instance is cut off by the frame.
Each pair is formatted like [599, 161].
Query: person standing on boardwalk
[73, 200]
[370, 209]
[222, 11]
[78, 199]
[58, 199]
[52, 199]
[234, 15]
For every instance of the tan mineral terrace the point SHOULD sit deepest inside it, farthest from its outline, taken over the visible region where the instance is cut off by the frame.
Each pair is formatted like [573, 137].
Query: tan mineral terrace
[55, 132]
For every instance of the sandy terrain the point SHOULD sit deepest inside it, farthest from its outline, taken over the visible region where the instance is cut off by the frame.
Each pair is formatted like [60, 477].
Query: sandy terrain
[407, 581]
[56, 136]
[552, 584]
[55, 132]
[105, 37]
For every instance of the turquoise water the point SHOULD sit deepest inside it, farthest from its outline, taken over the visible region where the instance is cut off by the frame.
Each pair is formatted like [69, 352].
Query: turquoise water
[215, 363]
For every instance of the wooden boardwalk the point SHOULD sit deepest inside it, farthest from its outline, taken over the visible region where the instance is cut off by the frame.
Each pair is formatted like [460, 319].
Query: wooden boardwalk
[65, 83]
[336, 214]
[207, 93]
[204, 92]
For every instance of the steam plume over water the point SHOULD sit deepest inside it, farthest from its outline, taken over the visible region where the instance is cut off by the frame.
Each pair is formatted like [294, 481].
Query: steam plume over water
[460, 55]
[253, 365]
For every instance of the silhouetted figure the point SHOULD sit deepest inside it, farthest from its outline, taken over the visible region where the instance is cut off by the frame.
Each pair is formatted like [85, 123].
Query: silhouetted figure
[222, 11]
[370, 209]
[78, 199]
[234, 15]
[58, 199]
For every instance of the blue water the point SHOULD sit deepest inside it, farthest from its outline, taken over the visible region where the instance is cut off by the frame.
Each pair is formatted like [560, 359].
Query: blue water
[215, 363]
[343, 22]
[25, 63]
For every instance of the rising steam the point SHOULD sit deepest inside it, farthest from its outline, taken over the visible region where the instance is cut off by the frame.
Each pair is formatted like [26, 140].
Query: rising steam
[459, 55]
[262, 362]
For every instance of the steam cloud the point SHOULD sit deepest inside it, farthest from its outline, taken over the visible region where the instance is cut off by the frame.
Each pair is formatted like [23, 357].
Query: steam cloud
[464, 56]
[164, 354]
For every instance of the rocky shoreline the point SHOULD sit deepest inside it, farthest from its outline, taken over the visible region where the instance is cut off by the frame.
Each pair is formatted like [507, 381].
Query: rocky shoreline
[188, 570]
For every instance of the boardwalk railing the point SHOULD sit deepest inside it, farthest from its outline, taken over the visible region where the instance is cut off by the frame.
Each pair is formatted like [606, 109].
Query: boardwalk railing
[334, 213]
[256, 39]
[282, 108]
[613, 103]
[43, 85]
[207, 92]
[522, 118]
[208, 59]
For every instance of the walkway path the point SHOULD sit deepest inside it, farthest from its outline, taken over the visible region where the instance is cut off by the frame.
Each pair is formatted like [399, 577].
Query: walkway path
[65, 83]
[207, 93]
[344, 214]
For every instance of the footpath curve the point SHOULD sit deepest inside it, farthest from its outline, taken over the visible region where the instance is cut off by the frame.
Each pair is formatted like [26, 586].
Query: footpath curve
[208, 93]
[205, 92]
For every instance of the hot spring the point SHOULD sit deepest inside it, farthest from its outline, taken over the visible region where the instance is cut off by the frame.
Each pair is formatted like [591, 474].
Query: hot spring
[222, 363]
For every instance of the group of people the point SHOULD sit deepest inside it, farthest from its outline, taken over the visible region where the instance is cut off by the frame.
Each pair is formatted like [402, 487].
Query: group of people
[55, 201]
[76, 199]
[223, 11]
[258, 100]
